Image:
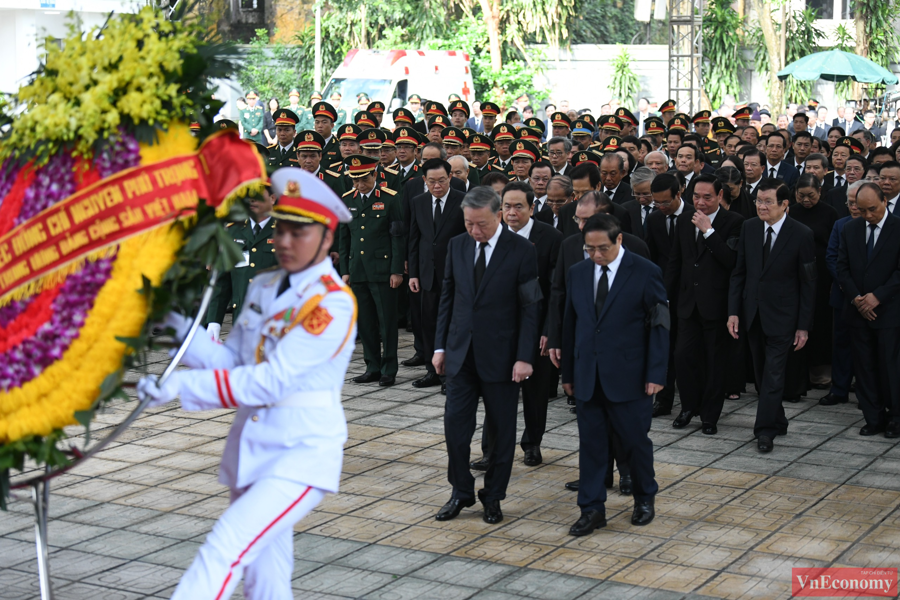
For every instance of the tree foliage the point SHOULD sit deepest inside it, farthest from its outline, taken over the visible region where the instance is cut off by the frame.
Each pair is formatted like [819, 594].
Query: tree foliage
[269, 68]
[624, 85]
[722, 51]
[604, 22]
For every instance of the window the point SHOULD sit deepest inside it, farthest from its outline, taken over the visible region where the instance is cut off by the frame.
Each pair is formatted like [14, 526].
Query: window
[831, 9]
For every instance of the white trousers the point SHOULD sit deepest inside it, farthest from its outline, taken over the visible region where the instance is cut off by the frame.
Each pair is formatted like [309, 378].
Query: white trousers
[253, 539]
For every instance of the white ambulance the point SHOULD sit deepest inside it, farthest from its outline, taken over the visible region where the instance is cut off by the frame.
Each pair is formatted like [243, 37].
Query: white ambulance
[391, 76]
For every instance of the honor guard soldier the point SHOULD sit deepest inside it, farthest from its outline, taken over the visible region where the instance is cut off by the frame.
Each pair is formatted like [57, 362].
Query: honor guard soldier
[309, 158]
[702, 123]
[340, 113]
[252, 118]
[722, 129]
[628, 120]
[282, 368]
[294, 105]
[742, 116]
[489, 113]
[503, 135]
[370, 143]
[364, 120]
[480, 147]
[254, 236]
[459, 113]
[406, 139]
[324, 117]
[307, 119]
[667, 111]
[371, 248]
[454, 142]
[283, 153]
[376, 109]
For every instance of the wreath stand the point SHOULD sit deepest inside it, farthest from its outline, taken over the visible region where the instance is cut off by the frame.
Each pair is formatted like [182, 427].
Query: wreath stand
[40, 484]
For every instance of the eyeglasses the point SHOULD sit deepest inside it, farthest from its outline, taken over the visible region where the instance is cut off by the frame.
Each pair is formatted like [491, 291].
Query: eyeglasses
[851, 204]
[636, 195]
[556, 153]
[596, 249]
[766, 203]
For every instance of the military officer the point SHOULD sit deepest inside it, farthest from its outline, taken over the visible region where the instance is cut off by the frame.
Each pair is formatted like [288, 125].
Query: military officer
[283, 153]
[362, 103]
[294, 104]
[371, 249]
[524, 154]
[282, 367]
[436, 125]
[340, 112]
[347, 135]
[254, 236]
[376, 109]
[325, 117]
[309, 158]
[252, 118]
[459, 113]
[611, 125]
[406, 139]
[582, 134]
[503, 135]
[371, 143]
[654, 129]
[389, 150]
[365, 120]
[742, 116]
[454, 141]
[561, 124]
[702, 123]
[480, 147]
[403, 117]
[195, 128]
[628, 120]
[722, 129]
[667, 111]
[415, 107]
[489, 113]
[307, 119]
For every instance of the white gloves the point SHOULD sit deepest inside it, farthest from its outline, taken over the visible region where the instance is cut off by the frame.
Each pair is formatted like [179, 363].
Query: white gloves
[148, 387]
[214, 329]
[179, 323]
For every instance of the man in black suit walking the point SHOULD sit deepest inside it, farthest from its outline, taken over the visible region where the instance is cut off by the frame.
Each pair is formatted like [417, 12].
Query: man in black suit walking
[487, 340]
[612, 170]
[773, 288]
[614, 355]
[869, 275]
[586, 178]
[435, 218]
[641, 207]
[700, 265]
[661, 228]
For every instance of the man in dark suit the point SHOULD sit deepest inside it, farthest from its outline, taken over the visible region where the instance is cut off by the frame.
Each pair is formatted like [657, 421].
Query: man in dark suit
[586, 178]
[487, 341]
[517, 204]
[773, 289]
[776, 167]
[614, 355]
[612, 170]
[869, 275]
[702, 257]
[435, 218]
[641, 207]
[476, 121]
[539, 178]
[661, 228]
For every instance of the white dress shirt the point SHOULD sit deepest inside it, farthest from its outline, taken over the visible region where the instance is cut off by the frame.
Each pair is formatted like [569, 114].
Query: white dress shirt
[612, 269]
[712, 221]
[443, 203]
[753, 185]
[890, 206]
[539, 203]
[489, 249]
[284, 149]
[776, 228]
[878, 228]
[770, 167]
[526, 230]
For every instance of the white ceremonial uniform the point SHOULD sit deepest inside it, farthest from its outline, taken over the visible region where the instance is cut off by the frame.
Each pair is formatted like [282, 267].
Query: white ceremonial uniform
[285, 447]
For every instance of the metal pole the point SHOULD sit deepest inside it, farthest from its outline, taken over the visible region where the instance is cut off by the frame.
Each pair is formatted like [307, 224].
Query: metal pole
[317, 78]
[40, 497]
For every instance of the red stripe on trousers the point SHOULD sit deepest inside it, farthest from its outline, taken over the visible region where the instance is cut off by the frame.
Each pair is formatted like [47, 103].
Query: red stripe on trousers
[219, 388]
[228, 389]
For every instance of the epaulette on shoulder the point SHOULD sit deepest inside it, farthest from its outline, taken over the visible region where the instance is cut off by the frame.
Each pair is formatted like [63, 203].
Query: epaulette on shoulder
[832, 171]
[271, 269]
[227, 225]
[330, 284]
[473, 165]
[347, 193]
[332, 173]
[272, 146]
[337, 164]
[390, 170]
[388, 190]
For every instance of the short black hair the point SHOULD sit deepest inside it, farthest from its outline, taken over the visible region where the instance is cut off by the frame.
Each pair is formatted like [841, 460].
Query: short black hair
[603, 222]
[891, 164]
[519, 186]
[541, 164]
[677, 132]
[493, 177]
[783, 194]
[589, 170]
[840, 130]
[435, 163]
[631, 140]
[809, 180]
[880, 151]
[737, 137]
[802, 115]
[708, 178]
[645, 143]
[692, 147]
[865, 164]
[802, 134]
[663, 182]
[775, 135]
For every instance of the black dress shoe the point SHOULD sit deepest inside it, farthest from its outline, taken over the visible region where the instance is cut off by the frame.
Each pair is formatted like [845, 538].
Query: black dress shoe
[868, 430]
[830, 399]
[572, 410]
[892, 430]
[683, 419]
[572, 486]
[415, 361]
[387, 380]
[587, 523]
[480, 465]
[625, 484]
[452, 509]
[764, 443]
[643, 513]
[659, 410]
[367, 378]
[430, 380]
[570, 400]
[710, 429]
[533, 456]
[792, 399]
[492, 512]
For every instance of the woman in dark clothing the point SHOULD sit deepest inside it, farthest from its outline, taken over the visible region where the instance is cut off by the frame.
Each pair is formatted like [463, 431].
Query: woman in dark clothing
[819, 217]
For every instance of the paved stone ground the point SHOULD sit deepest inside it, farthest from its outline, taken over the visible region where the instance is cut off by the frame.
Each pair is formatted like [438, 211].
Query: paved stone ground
[730, 522]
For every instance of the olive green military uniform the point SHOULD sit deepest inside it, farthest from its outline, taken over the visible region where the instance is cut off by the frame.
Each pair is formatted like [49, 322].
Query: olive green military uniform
[331, 154]
[306, 118]
[259, 254]
[474, 176]
[341, 118]
[278, 159]
[371, 251]
[509, 170]
[253, 118]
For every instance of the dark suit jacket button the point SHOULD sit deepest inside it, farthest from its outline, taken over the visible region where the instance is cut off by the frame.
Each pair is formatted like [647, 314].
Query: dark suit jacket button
[696, 264]
[696, 283]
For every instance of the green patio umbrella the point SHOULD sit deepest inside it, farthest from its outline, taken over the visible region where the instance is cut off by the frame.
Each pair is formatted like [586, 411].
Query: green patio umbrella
[837, 65]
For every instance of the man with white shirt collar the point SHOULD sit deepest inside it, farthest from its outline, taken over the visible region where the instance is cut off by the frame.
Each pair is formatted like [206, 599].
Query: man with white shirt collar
[539, 178]
[689, 164]
[558, 151]
[754, 164]
[776, 168]
[407, 141]
[282, 152]
[801, 149]
[309, 146]
[612, 170]
[459, 168]
[890, 186]
[640, 208]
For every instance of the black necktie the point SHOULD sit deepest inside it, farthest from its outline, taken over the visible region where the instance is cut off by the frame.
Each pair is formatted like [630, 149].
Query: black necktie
[646, 214]
[773, 173]
[480, 264]
[768, 245]
[749, 188]
[671, 229]
[870, 243]
[838, 181]
[256, 229]
[283, 151]
[285, 284]
[602, 291]
[537, 207]
[437, 212]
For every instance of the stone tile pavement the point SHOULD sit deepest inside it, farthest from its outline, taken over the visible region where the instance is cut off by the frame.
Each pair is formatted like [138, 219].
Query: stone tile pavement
[731, 523]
